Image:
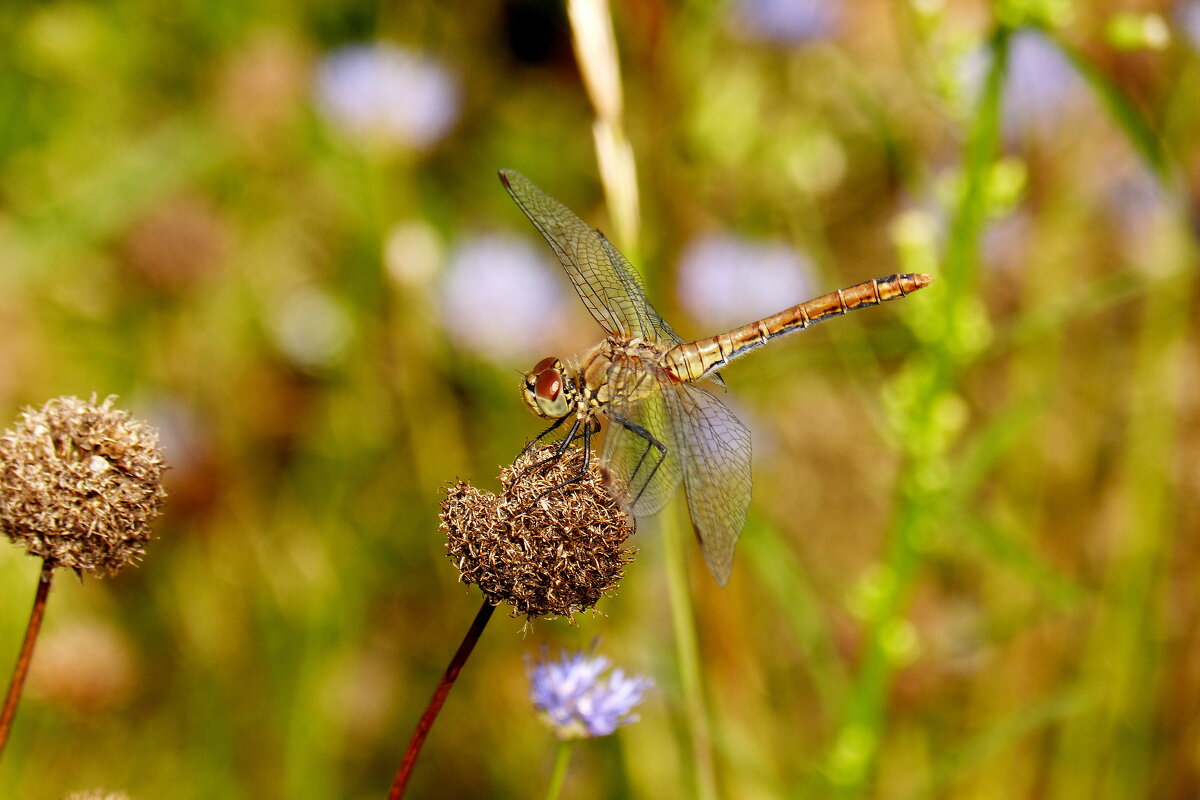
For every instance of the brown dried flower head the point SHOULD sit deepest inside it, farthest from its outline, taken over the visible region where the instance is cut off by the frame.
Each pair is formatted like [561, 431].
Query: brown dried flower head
[96, 794]
[79, 483]
[547, 556]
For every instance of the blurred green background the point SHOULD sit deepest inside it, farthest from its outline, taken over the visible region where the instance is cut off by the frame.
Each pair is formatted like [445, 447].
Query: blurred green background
[275, 231]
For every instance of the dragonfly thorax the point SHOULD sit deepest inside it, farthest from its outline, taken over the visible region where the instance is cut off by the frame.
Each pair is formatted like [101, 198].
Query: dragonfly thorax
[549, 390]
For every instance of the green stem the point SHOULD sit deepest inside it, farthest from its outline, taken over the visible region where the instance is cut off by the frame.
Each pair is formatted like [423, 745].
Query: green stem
[1144, 139]
[561, 760]
[922, 496]
[687, 654]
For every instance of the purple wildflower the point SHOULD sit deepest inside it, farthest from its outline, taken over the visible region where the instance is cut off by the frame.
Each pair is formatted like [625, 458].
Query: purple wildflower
[1006, 241]
[786, 22]
[1136, 204]
[501, 298]
[726, 281]
[387, 94]
[577, 702]
[1041, 88]
[1187, 17]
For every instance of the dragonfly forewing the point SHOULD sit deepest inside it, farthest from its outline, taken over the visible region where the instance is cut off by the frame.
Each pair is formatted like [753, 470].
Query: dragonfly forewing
[604, 279]
[653, 327]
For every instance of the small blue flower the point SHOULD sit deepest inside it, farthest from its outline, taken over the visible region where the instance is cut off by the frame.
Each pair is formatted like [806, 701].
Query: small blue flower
[501, 298]
[577, 702]
[1137, 204]
[1187, 17]
[786, 22]
[728, 280]
[1041, 88]
[387, 94]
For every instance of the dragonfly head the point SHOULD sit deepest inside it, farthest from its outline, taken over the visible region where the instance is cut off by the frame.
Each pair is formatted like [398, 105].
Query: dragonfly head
[549, 392]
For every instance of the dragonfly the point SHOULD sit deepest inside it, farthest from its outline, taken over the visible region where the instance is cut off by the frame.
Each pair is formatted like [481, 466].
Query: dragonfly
[663, 427]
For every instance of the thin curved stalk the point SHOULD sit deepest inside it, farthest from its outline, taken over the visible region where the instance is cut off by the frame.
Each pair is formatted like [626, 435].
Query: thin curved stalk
[438, 698]
[21, 670]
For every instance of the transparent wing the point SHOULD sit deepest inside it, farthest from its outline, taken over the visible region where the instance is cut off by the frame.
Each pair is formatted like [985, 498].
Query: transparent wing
[715, 455]
[639, 446]
[604, 279]
[663, 332]
[655, 327]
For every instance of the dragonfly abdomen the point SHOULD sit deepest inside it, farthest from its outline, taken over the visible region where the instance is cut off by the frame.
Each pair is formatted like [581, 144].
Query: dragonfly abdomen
[693, 360]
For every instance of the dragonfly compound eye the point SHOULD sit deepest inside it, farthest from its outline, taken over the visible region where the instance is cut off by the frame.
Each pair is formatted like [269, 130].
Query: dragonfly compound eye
[544, 389]
[550, 362]
[548, 385]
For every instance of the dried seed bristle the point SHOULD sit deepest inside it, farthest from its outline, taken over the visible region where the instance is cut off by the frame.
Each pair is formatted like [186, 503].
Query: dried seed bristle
[547, 555]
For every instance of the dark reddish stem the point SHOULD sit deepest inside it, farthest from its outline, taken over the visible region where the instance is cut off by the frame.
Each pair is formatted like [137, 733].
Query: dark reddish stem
[439, 697]
[26, 656]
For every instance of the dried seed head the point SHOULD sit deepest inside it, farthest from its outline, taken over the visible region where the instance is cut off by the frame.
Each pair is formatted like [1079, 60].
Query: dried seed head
[79, 483]
[96, 794]
[547, 556]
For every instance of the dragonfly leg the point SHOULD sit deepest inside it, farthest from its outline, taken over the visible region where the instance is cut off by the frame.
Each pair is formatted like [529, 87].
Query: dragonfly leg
[651, 442]
[530, 444]
[589, 428]
[561, 447]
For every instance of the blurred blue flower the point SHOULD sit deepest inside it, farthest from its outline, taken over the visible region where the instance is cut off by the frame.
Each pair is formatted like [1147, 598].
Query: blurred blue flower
[726, 281]
[1007, 240]
[382, 93]
[1138, 206]
[577, 702]
[501, 298]
[786, 22]
[1041, 87]
[1187, 17]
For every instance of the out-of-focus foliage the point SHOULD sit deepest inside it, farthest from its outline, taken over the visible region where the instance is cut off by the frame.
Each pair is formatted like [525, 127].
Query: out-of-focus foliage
[275, 231]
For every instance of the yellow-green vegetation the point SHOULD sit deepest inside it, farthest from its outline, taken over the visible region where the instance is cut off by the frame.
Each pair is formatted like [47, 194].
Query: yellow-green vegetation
[275, 232]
